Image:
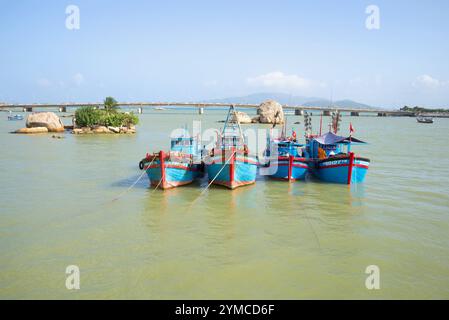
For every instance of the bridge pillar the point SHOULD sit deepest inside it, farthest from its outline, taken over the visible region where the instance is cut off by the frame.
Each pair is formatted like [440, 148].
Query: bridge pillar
[139, 110]
[354, 114]
[62, 109]
[27, 109]
[299, 112]
[326, 113]
[200, 110]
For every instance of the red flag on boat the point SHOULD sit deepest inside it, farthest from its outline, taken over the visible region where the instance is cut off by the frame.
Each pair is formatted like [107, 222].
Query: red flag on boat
[351, 128]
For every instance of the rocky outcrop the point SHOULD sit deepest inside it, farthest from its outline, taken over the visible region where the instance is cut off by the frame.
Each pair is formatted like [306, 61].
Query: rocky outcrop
[241, 117]
[103, 129]
[48, 120]
[100, 129]
[270, 111]
[32, 130]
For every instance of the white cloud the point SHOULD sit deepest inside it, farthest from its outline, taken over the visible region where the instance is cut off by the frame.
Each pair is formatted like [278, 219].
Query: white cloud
[428, 82]
[280, 80]
[78, 79]
[44, 83]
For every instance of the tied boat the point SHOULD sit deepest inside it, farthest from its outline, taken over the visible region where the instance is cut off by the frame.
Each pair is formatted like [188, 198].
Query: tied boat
[180, 166]
[285, 158]
[15, 117]
[332, 159]
[229, 163]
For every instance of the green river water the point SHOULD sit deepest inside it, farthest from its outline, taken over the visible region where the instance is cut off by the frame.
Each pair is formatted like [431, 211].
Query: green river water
[272, 240]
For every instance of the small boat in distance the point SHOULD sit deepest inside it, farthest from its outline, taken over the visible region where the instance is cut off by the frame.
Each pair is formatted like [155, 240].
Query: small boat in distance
[178, 167]
[422, 119]
[159, 108]
[15, 117]
[229, 163]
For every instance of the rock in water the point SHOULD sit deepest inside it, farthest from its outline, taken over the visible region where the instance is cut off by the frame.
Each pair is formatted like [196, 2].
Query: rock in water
[241, 117]
[48, 120]
[114, 129]
[270, 111]
[100, 129]
[32, 130]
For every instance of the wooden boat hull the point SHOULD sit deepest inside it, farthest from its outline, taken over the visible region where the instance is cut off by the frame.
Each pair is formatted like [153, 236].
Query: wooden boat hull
[344, 170]
[289, 168]
[172, 174]
[238, 172]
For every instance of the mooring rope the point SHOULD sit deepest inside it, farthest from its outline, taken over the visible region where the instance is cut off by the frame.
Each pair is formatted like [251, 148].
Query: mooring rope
[157, 186]
[313, 230]
[134, 183]
[212, 181]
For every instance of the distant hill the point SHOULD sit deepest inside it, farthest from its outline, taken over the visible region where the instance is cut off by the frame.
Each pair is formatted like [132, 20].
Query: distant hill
[284, 98]
[346, 103]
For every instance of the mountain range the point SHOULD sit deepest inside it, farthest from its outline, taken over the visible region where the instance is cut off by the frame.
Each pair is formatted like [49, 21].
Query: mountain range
[284, 98]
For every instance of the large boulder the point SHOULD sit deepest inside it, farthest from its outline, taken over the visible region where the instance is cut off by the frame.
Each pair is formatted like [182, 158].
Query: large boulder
[48, 120]
[240, 117]
[270, 111]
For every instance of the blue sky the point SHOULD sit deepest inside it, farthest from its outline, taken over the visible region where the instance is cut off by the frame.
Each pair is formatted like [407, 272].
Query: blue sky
[196, 50]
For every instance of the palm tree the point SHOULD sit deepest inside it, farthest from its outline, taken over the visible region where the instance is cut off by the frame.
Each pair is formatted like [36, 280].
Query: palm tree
[110, 104]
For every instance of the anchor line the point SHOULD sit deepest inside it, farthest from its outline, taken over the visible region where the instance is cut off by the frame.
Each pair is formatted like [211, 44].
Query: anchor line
[157, 186]
[132, 185]
[212, 181]
[313, 230]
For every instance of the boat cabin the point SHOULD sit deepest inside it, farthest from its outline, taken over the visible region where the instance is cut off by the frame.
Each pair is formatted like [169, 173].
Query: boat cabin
[330, 144]
[184, 145]
[284, 148]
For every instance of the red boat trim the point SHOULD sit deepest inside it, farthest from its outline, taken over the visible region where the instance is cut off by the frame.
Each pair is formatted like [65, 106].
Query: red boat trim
[296, 165]
[351, 164]
[290, 165]
[162, 161]
[232, 166]
[173, 166]
[239, 160]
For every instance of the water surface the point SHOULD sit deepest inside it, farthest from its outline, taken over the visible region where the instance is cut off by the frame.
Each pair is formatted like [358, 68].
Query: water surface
[272, 240]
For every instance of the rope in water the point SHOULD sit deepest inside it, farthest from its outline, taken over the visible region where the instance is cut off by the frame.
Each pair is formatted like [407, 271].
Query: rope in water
[212, 181]
[157, 186]
[132, 185]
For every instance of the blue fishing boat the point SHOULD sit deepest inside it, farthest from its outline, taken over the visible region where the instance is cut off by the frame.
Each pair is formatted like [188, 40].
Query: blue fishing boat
[229, 163]
[15, 117]
[285, 159]
[178, 167]
[331, 159]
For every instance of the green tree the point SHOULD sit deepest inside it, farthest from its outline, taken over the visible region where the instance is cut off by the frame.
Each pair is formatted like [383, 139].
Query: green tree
[110, 104]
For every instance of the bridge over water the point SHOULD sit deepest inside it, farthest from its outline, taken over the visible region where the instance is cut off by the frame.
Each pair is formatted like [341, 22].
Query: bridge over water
[299, 110]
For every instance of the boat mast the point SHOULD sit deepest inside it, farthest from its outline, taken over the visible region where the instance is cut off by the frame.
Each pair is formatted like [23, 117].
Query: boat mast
[234, 113]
